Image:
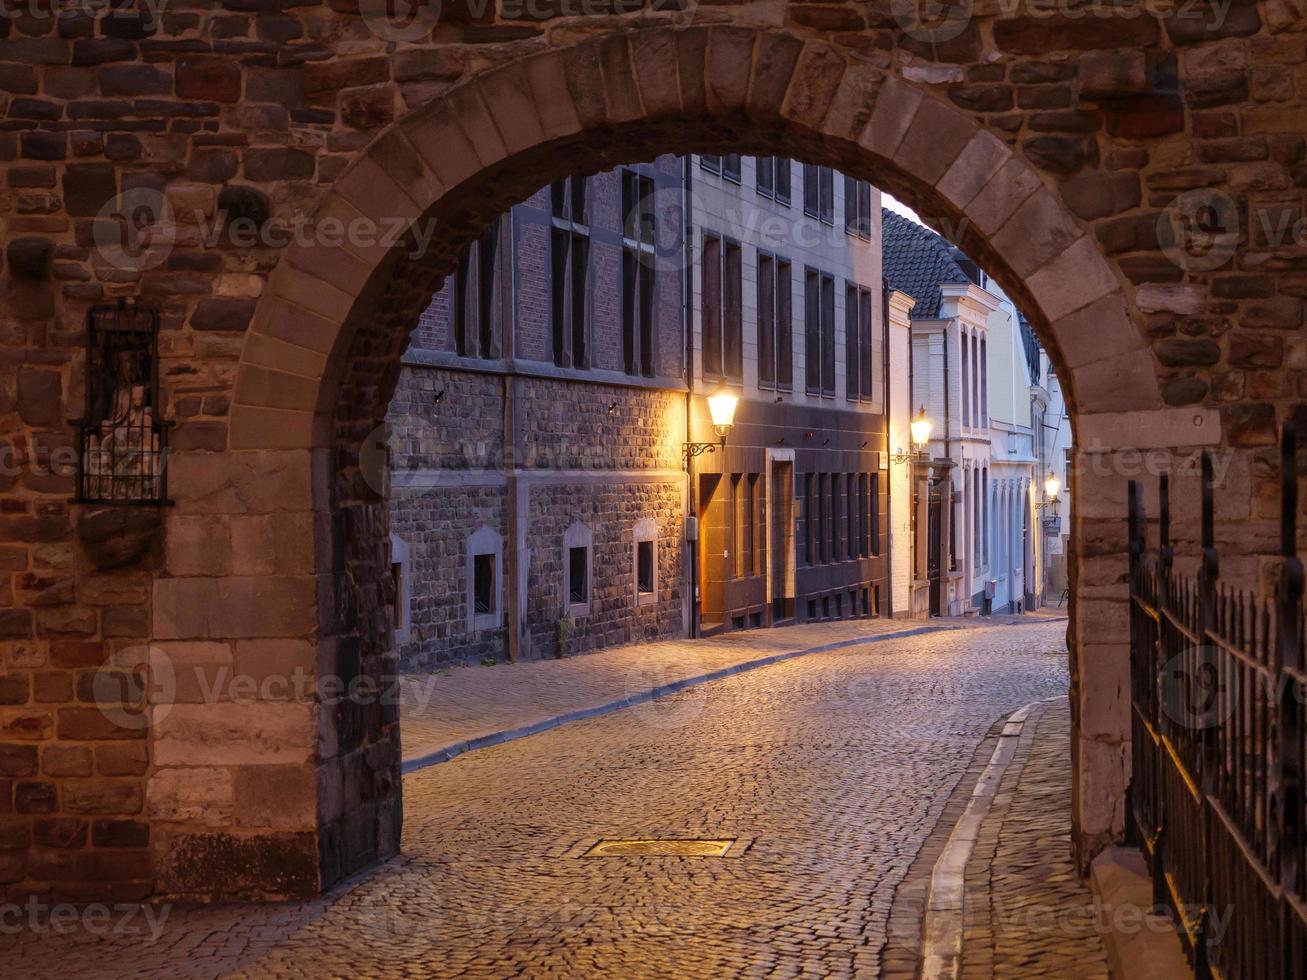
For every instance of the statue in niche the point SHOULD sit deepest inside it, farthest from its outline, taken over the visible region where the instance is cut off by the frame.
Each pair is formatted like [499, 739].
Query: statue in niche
[122, 459]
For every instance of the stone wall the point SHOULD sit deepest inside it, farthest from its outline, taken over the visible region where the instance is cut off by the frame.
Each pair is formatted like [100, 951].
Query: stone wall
[610, 510]
[1064, 141]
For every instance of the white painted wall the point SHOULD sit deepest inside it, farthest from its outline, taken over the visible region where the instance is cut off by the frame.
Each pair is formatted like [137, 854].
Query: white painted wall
[901, 410]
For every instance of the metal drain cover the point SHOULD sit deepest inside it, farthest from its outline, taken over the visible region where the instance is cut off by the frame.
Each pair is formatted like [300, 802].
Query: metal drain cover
[661, 848]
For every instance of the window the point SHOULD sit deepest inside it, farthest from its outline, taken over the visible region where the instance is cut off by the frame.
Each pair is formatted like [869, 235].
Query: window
[858, 367]
[966, 387]
[867, 349]
[807, 540]
[857, 207]
[570, 249]
[722, 317]
[819, 332]
[836, 517]
[728, 166]
[873, 503]
[711, 322]
[399, 574]
[975, 378]
[644, 567]
[749, 525]
[857, 488]
[646, 562]
[823, 517]
[774, 178]
[484, 580]
[737, 524]
[578, 576]
[473, 306]
[985, 518]
[984, 381]
[757, 528]
[975, 513]
[819, 193]
[775, 326]
[577, 559]
[638, 237]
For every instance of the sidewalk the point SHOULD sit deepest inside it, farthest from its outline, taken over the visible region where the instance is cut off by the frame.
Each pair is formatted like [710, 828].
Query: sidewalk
[1027, 911]
[463, 708]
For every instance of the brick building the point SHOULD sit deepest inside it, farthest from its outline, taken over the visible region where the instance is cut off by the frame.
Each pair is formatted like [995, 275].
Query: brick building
[539, 489]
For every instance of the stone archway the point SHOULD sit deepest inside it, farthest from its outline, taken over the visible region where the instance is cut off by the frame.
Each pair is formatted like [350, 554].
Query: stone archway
[322, 355]
[1064, 140]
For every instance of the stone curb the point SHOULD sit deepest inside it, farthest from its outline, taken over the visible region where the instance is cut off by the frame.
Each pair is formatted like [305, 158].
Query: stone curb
[1150, 950]
[445, 753]
[941, 945]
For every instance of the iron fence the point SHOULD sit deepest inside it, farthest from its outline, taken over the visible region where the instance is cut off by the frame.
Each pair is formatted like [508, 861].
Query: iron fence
[1219, 730]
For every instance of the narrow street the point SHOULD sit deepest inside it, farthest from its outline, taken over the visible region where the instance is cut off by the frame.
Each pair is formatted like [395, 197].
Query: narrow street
[828, 771]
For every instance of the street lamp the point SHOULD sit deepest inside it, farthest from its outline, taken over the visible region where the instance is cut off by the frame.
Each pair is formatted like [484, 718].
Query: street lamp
[721, 406]
[920, 427]
[1051, 487]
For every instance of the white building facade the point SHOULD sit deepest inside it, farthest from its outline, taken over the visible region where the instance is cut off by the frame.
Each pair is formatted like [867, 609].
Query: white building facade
[976, 371]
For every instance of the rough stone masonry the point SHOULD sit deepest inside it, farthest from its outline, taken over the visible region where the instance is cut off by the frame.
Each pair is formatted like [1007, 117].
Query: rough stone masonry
[1075, 153]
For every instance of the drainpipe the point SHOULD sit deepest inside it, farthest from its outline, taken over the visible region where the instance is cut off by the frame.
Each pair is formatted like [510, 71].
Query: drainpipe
[687, 297]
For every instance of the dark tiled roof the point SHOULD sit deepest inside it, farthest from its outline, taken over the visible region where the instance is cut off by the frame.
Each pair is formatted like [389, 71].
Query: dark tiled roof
[917, 261]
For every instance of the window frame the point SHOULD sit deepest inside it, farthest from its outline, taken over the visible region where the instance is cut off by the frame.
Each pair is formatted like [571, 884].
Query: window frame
[570, 321]
[402, 573]
[644, 532]
[639, 279]
[577, 537]
[726, 326]
[485, 542]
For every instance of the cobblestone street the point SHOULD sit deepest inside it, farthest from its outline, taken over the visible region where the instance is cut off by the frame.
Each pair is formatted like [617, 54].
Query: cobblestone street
[829, 771]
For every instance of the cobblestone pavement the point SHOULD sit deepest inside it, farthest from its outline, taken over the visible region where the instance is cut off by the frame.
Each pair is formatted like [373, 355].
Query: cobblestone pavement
[833, 768]
[463, 703]
[1028, 913]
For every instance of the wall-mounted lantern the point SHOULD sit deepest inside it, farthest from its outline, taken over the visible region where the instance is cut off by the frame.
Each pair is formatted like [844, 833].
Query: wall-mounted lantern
[721, 406]
[919, 427]
[122, 442]
[1051, 487]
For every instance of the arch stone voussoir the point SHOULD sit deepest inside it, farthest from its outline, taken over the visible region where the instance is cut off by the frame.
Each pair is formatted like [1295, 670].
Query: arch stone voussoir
[657, 72]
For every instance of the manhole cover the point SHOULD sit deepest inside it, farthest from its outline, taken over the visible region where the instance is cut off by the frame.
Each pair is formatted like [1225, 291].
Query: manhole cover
[677, 848]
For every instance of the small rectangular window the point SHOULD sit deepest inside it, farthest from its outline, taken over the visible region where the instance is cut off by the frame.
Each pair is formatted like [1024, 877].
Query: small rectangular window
[397, 580]
[483, 578]
[712, 164]
[578, 576]
[731, 167]
[644, 567]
